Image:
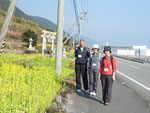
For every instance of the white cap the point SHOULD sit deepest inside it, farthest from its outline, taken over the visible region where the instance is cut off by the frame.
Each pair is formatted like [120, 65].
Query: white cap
[95, 46]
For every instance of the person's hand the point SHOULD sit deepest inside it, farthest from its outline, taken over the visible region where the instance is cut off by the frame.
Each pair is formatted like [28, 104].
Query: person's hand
[113, 78]
[88, 71]
[89, 68]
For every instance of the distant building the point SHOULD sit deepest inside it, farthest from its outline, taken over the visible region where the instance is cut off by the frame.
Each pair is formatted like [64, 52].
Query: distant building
[130, 50]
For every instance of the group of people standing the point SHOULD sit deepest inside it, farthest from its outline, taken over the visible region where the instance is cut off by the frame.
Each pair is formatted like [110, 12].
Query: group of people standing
[97, 67]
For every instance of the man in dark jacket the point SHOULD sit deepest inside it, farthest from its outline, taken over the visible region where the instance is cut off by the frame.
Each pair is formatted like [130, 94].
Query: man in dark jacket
[81, 54]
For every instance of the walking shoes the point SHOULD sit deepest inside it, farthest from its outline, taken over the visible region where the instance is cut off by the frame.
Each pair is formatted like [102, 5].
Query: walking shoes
[93, 93]
[79, 90]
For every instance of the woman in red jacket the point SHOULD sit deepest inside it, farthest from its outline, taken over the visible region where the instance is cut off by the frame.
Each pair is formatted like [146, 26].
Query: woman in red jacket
[107, 75]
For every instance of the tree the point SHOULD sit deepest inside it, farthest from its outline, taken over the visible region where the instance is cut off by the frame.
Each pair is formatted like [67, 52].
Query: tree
[27, 35]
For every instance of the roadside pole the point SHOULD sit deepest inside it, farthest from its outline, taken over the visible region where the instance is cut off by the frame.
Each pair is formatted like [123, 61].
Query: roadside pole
[59, 37]
[7, 21]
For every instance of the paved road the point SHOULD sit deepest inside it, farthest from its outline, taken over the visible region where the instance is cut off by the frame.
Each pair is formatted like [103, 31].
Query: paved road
[135, 75]
[124, 100]
[131, 92]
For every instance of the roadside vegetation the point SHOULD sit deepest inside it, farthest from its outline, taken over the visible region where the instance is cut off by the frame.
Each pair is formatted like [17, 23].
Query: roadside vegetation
[28, 83]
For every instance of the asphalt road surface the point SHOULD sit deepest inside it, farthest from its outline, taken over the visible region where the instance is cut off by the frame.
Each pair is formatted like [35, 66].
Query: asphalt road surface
[124, 100]
[135, 75]
[131, 92]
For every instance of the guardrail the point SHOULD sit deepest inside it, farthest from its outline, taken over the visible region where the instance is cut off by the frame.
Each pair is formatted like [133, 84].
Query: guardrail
[135, 59]
[147, 60]
[141, 59]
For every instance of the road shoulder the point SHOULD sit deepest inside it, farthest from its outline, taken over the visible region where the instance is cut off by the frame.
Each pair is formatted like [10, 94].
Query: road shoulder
[124, 100]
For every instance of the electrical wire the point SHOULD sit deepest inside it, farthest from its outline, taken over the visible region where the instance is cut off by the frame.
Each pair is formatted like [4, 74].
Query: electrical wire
[76, 14]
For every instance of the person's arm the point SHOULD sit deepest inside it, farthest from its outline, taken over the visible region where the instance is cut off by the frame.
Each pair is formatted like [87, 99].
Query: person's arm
[75, 53]
[88, 53]
[100, 70]
[89, 64]
[100, 57]
[90, 60]
[114, 69]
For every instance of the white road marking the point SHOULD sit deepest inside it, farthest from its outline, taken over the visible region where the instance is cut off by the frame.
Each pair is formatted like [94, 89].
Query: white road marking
[134, 67]
[147, 88]
[119, 62]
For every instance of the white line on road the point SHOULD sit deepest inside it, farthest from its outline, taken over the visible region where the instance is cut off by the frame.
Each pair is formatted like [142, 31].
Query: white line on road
[133, 80]
[134, 67]
[119, 62]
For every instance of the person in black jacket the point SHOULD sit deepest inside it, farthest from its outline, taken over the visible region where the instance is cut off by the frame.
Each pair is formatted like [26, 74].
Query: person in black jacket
[82, 54]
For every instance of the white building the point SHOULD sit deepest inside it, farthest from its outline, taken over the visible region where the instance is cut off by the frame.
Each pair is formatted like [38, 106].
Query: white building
[130, 50]
[145, 52]
[126, 52]
[139, 47]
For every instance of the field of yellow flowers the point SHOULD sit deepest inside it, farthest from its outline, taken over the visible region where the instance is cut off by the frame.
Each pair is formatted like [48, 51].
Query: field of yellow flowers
[28, 83]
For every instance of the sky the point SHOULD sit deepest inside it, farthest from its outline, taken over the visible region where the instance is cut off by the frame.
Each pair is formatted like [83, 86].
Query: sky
[118, 22]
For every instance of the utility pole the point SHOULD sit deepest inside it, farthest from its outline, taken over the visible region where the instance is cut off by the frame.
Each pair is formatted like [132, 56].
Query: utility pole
[7, 21]
[79, 32]
[59, 37]
[80, 23]
[73, 41]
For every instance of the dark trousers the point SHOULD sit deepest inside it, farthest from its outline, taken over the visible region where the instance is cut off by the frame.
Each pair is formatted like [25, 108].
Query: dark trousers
[93, 80]
[107, 83]
[81, 69]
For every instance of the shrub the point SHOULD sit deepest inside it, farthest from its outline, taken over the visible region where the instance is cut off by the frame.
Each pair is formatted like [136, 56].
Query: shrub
[29, 34]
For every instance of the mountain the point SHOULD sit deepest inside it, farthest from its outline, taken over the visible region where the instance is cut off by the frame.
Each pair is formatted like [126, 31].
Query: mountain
[4, 4]
[44, 22]
[89, 42]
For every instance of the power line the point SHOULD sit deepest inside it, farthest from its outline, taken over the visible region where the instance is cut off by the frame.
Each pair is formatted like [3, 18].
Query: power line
[84, 5]
[76, 13]
[84, 11]
[87, 5]
[72, 5]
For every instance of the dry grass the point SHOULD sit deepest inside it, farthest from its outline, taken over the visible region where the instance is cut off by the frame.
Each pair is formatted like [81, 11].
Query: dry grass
[18, 26]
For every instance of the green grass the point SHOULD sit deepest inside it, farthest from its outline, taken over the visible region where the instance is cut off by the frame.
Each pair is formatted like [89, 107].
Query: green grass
[70, 54]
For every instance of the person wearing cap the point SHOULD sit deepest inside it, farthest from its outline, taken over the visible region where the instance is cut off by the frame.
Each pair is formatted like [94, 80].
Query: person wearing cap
[107, 75]
[94, 64]
[82, 54]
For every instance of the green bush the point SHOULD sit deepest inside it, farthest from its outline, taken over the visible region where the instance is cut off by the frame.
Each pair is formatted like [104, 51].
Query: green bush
[70, 54]
[29, 34]
[2, 13]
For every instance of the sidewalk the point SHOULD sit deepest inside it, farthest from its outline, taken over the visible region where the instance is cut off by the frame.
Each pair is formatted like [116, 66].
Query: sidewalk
[124, 101]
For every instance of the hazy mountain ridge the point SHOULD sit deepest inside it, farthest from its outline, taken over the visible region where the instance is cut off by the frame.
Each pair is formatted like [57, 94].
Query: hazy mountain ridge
[4, 4]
